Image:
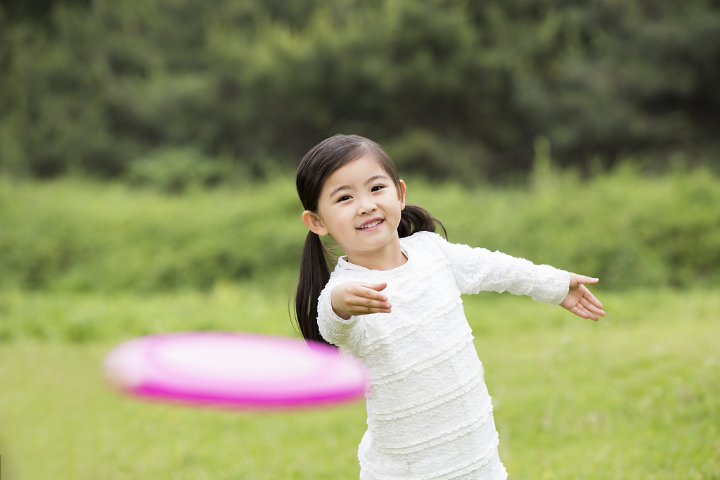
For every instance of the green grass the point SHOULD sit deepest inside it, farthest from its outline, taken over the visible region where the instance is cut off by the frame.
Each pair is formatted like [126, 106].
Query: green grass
[85, 265]
[60, 421]
[633, 396]
[86, 317]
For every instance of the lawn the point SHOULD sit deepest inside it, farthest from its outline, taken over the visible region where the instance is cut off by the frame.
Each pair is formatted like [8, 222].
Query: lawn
[632, 396]
[86, 264]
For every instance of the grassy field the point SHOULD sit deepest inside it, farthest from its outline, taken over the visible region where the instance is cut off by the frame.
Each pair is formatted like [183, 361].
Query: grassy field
[85, 265]
[633, 396]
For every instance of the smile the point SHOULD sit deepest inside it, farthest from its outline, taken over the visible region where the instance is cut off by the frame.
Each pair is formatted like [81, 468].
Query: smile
[370, 225]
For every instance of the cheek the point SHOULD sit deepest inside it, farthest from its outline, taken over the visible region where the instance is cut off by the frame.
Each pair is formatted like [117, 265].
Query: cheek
[337, 218]
[395, 205]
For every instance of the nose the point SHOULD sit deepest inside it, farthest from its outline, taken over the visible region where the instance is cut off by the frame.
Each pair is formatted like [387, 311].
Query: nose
[367, 205]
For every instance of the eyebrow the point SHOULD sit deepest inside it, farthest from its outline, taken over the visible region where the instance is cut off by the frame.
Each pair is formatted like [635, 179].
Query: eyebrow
[369, 180]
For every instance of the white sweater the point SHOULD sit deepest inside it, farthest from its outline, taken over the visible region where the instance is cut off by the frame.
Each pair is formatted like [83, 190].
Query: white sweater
[429, 412]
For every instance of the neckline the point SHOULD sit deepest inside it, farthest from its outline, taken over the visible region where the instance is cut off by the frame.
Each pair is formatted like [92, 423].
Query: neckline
[345, 265]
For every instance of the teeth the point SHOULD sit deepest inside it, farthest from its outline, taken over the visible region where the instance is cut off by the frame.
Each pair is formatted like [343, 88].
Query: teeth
[370, 224]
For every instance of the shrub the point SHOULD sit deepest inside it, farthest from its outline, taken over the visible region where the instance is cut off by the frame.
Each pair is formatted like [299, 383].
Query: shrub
[629, 230]
[174, 170]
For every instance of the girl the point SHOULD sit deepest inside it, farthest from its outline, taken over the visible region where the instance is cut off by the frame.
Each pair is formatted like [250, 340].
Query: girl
[394, 301]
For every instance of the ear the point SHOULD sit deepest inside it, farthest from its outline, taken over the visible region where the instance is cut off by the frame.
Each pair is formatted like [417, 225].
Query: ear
[401, 195]
[314, 223]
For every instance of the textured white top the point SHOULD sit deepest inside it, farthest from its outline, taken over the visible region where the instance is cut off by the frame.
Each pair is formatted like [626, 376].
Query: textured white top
[429, 412]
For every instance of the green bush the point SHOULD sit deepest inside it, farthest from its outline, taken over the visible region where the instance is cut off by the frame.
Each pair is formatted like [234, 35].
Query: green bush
[174, 170]
[622, 227]
[83, 236]
[625, 228]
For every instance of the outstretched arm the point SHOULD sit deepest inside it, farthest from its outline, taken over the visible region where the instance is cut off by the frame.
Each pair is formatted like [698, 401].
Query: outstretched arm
[580, 301]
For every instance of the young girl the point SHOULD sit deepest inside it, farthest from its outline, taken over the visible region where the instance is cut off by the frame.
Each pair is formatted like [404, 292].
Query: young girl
[394, 302]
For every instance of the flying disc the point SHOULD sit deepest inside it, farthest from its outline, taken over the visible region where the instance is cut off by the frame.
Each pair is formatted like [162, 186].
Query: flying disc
[234, 370]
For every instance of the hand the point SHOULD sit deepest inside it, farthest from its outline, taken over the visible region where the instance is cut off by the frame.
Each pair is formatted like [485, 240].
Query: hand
[357, 298]
[580, 301]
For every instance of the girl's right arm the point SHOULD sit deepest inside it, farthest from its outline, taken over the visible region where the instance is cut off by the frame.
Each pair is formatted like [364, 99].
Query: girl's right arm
[340, 304]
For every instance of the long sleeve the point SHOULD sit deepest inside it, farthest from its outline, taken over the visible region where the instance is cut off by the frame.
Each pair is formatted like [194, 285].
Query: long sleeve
[478, 269]
[334, 329]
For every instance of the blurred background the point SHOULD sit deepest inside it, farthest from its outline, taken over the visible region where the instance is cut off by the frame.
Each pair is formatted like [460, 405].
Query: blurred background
[453, 90]
[147, 154]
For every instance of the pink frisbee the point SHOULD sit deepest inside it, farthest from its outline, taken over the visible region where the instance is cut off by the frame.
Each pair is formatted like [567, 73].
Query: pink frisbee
[234, 370]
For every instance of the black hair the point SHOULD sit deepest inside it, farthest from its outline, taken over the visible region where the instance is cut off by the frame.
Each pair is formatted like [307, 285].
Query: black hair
[316, 166]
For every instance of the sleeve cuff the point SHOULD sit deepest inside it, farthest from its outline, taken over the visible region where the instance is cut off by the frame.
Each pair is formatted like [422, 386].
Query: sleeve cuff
[338, 318]
[552, 286]
[333, 328]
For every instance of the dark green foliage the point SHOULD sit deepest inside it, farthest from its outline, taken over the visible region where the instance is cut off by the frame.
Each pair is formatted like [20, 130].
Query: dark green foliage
[36, 10]
[613, 78]
[452, 89]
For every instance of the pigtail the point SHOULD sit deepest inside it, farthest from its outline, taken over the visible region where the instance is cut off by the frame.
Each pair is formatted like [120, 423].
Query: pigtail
[417, 219]
[314, 275]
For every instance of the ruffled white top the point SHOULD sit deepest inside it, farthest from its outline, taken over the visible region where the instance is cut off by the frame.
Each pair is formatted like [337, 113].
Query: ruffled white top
[429, 412]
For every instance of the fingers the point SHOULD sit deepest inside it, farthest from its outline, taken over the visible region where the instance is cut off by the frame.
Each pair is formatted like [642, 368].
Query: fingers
[589, 300]
[369, 291]
[583, 304]
[378, 286]
[585, 309]
[580, 312]
[356, 298]
[363, 299]
[585, 280]
[363, 306]
[583, 312]
[589, 307]
[580, 300]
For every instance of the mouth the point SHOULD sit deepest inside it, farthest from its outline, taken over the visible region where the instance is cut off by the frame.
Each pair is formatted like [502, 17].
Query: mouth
[371, 224]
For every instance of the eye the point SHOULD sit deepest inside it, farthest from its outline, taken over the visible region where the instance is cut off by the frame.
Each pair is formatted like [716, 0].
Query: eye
[377, 188]
[343, 198]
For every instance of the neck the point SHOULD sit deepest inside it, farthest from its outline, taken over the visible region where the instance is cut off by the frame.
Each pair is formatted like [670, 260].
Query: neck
[387, 257]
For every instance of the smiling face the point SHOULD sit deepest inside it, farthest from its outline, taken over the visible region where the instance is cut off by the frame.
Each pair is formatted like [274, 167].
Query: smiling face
[359, 207]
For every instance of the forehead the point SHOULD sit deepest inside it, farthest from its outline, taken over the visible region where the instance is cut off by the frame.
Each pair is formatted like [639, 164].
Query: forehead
[354, 173]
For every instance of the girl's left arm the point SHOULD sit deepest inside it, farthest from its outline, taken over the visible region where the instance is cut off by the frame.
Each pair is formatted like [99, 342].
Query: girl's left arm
[478, 269]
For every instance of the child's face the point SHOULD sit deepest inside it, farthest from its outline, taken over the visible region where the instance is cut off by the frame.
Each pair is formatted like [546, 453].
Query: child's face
[359, 207]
